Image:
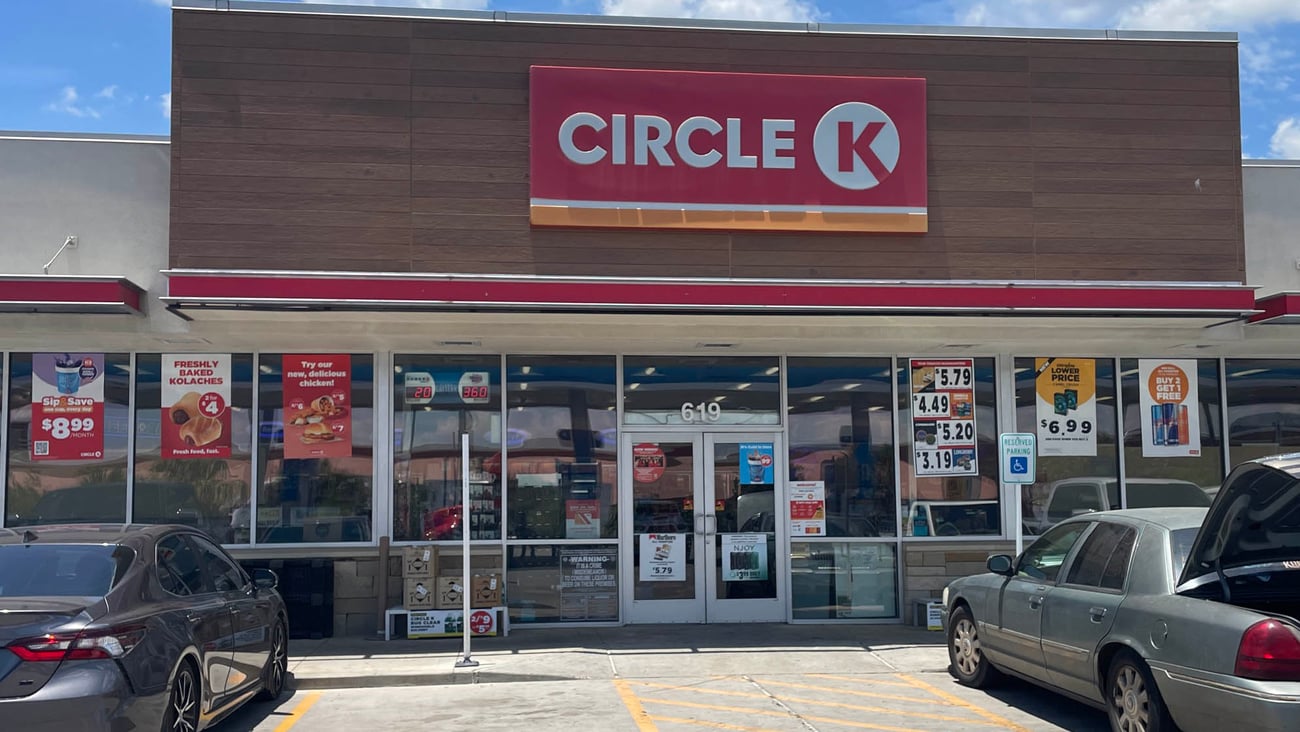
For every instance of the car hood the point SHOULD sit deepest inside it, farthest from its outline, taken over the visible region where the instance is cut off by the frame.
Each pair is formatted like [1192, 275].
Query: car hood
[1254, 520]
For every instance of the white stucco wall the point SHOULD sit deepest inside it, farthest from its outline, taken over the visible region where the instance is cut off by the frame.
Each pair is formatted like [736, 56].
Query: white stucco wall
[1272, 211]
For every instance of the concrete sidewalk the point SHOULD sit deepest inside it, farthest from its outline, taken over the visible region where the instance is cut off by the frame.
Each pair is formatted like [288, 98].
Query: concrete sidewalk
[639, 651]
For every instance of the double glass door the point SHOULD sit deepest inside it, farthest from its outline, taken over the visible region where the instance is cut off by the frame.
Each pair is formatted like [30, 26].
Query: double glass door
[705, 529]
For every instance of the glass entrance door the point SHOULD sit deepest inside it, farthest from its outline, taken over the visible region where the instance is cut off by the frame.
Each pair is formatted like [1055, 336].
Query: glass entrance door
[705, 527]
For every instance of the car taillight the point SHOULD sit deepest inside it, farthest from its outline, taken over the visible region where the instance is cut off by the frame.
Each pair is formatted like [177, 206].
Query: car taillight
[88, 644]
[1269, 651]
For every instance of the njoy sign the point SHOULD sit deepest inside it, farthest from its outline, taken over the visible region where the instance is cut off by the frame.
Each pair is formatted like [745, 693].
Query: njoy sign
[651, 149]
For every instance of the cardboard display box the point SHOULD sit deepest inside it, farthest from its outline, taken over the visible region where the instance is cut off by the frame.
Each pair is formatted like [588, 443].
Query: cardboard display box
[419, 561]
[486, 590]
[448, 595]
[419, 593]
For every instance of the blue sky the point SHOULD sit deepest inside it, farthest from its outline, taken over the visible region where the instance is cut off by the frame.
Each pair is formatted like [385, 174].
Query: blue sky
[104, 65]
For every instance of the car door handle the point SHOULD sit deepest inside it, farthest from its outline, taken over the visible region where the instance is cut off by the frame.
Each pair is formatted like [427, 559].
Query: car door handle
[1097, 613]
[1036, 602]
[193, 617]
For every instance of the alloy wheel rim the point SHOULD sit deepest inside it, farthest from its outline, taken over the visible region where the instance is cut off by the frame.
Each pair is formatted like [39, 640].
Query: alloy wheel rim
[966, 647]
[1130, 701]
[184, 702]
[279, 660]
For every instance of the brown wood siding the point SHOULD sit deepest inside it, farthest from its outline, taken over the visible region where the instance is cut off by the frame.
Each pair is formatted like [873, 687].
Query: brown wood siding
[351, 143]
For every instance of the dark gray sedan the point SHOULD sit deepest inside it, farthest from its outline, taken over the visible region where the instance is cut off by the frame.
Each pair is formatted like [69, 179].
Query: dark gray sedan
[112, 627]
[1160, 616]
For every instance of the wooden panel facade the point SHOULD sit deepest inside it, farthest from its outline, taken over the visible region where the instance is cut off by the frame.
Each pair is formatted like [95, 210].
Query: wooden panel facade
[331, 142]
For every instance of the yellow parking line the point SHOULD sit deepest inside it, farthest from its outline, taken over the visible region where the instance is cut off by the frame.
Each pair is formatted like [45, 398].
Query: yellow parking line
[296, 715]
[871, 694]
[712, 725]
[783, 715]
[633, 705]
[861, 680]
[815, 702]
[953, 699]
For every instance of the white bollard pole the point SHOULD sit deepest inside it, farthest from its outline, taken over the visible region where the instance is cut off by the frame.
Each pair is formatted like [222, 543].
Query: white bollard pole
[465, 661]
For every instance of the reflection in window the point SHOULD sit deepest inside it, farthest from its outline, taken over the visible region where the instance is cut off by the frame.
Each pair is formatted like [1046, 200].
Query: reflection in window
[46, 491]
[674, 390]
[211, 494]
[1067, 485]
[839, 579]
[1178, 474]
[436, 399]
[1263, 412]
[842, 434]
[561, 422]
[952, 505]
[315, 499]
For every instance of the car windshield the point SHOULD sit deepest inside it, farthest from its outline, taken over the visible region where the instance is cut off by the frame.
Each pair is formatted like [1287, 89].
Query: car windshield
[1181, 543]
[1157, 495]
[61, 570]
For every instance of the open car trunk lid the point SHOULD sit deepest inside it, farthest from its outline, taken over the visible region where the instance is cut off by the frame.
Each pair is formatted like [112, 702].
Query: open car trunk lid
[1247, 551]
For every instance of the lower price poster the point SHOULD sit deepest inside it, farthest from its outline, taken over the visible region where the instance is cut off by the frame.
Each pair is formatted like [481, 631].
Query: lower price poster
[441, 623]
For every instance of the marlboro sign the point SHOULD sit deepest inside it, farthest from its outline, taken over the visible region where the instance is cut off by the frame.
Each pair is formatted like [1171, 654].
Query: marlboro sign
[705, 150]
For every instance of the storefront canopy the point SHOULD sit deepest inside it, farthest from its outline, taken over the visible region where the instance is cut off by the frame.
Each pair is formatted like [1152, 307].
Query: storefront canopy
[193, 291]
[70, 294]
[1280, 309]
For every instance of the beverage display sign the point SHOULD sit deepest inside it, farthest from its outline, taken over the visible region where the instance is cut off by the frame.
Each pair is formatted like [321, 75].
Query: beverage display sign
[649, 149]
[943, 416]
[317, 406]
[195, 406]
[756, 463]
[807, 508]
[663, 557]
[67, 406]
[443, 623]
[1171, 421]
[1066, 391]
[744, 557]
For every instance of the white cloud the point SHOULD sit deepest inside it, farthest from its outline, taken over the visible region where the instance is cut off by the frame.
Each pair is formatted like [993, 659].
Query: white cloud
[166, 104]
[107, 92]
[1285, 142]
[449, 4]
[776, 10]
[1144, 14]
[68, 104]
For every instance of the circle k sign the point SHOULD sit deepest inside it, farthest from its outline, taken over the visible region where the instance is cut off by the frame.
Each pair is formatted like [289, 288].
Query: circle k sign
[856, 145]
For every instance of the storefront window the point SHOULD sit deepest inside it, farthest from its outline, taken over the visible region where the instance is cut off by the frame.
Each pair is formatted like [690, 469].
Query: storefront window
[1263, 412]
[1173, 431]
[949, 451]
[194, 442]
[569, 583]
[68, 430]
[842, 436]
[1069, 404]
[675, 390]
[435, 400]
[315, 448]
[562, 438]
[839, 579]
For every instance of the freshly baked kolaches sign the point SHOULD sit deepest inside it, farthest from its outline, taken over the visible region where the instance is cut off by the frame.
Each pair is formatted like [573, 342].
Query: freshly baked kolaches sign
[195, 405]
[317, 406]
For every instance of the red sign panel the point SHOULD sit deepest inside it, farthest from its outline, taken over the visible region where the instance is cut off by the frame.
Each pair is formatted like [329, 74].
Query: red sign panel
[317, 406]
[196, 406]
[708, 150]
[67, 406]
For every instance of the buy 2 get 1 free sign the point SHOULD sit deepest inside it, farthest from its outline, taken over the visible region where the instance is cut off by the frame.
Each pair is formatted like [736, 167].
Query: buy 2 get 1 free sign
[711, 150]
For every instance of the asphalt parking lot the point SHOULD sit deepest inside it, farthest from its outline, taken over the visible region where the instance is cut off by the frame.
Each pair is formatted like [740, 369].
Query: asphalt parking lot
[898, 702]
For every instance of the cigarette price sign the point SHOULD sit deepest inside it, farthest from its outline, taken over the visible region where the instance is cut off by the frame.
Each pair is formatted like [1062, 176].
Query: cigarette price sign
[943, 416]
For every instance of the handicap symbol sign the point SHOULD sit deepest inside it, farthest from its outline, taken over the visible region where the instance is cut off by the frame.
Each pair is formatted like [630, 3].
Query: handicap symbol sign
[1019, 465]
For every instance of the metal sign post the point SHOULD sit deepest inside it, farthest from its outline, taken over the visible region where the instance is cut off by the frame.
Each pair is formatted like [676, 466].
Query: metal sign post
[465, 660]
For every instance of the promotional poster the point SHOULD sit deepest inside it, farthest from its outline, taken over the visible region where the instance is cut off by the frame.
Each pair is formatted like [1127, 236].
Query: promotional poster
[317, 406]
[67, 406]
[943, 416]
[648, 462]
[1171, 421]
[582, 519]
[195, 406]
[1067, 406]
[663, 557]
[807, 508]
[756, 463]
[744, 557]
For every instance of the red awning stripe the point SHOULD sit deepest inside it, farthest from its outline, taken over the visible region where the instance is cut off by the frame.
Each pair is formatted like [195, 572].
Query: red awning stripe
[1282, 307]
[26, 293]
[271, 291]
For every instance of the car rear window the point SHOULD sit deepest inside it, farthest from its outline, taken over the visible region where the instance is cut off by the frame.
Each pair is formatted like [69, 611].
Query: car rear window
[61, 570]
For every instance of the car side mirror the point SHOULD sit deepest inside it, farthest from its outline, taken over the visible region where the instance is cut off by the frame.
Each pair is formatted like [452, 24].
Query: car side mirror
[1000, 564]
[265, 579]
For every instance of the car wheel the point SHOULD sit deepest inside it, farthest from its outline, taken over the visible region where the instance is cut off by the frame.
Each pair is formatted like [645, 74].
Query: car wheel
[967, 662]
[182, 713]
[277, 666]
[1133, 702]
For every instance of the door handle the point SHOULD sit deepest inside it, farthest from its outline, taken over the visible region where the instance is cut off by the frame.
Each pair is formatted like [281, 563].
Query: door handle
[1036, 601]
[699, 524]
[707, 518]
[1097, 613]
